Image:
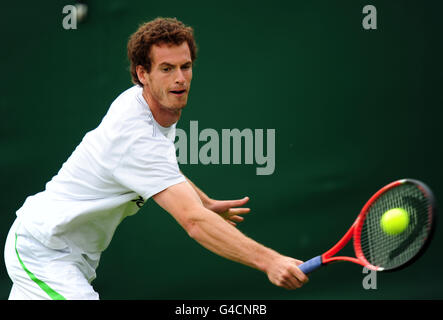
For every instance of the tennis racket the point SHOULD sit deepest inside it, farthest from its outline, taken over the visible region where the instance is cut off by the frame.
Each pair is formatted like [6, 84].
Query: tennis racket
[377, 250]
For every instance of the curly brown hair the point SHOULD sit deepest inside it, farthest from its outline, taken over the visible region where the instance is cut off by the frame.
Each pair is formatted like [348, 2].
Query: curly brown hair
[158, 31]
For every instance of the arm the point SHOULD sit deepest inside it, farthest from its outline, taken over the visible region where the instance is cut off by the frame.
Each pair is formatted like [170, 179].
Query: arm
[212, 232]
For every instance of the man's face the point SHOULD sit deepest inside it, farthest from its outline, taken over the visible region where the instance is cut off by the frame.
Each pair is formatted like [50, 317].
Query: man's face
[169, 81]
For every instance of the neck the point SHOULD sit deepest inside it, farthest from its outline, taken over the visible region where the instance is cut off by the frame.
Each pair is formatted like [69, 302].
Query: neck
[164, 116]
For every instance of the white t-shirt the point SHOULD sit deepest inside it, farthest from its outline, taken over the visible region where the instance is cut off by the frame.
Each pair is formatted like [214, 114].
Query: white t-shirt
[127, 159]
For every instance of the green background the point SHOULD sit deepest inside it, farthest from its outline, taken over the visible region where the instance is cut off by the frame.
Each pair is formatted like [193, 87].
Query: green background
[353, 110]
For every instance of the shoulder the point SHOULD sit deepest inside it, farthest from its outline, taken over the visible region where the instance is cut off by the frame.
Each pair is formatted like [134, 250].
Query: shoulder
[127, 114]
[128, 100]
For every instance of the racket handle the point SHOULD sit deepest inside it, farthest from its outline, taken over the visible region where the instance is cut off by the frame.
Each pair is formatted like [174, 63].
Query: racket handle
[311, 265]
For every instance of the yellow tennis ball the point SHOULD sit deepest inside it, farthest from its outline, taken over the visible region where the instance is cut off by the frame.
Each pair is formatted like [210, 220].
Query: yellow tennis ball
[394, 221]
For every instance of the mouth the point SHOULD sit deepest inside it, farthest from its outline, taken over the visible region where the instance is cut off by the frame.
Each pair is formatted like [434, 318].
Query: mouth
[178, 93]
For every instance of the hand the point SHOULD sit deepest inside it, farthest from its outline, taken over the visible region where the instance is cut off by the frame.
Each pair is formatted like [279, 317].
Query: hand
[227, 209]
[284, 272]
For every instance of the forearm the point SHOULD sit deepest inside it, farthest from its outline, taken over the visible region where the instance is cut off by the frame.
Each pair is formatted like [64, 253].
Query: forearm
[212, 232]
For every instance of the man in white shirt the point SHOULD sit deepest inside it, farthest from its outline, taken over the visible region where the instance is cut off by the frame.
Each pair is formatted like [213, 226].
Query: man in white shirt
[54, 245]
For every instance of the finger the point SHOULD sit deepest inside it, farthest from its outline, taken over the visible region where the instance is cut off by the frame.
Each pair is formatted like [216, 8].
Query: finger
[236, 211]
[294, 281]
[296, 284]
[291, 284]
[286, 285]
[236, 218]
[231, 223]
[301, 276]
[236, 203]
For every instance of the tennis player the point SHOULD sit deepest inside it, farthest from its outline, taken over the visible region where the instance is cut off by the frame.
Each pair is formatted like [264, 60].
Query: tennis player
[54, 246]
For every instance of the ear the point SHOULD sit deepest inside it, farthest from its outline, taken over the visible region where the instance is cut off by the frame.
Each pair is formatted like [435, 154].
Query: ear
[141, 74]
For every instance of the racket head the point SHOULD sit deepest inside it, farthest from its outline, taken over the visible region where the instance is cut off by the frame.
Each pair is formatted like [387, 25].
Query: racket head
[383, 252]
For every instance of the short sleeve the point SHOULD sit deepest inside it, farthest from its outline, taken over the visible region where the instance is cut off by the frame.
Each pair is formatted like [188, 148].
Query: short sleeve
[149, 166]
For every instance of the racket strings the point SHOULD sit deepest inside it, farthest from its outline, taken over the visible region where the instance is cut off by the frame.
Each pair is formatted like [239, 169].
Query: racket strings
[390, 251]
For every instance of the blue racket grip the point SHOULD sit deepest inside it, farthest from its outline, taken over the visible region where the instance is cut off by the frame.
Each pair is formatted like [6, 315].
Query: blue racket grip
[311, 265]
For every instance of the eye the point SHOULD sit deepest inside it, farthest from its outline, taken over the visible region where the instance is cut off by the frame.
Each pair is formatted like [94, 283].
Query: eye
[186, 67]
[166, 69]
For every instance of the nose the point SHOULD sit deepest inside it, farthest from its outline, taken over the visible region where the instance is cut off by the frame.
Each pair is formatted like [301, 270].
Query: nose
[179, 78]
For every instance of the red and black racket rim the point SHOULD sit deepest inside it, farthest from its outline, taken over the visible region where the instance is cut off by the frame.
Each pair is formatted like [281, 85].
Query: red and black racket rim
[383, 252]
